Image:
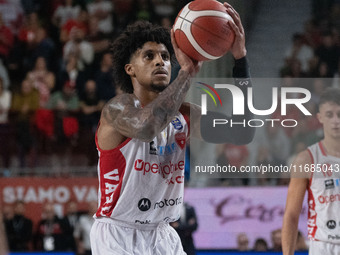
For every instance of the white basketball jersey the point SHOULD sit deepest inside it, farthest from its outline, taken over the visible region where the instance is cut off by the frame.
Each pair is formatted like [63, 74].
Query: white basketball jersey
[141, 182]
[324, 196]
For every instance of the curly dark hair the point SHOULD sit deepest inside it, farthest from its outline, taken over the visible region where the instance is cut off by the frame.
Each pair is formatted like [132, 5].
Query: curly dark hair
[133, 38]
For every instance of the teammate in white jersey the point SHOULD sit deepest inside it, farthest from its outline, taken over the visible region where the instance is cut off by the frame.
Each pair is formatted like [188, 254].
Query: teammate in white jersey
[141, 141]
[320, 176]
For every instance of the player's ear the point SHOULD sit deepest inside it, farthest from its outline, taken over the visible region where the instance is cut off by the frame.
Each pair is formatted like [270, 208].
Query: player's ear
[129, 69]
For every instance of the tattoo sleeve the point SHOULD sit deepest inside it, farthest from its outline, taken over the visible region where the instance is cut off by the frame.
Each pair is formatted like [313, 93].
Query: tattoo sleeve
[144, 123]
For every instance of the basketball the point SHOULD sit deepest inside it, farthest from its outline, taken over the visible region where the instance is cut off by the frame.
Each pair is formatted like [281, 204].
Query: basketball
[202, 30]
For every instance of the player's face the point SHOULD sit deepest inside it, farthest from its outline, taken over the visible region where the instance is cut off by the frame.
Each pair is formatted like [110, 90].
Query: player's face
[150, 66]
[329, 116]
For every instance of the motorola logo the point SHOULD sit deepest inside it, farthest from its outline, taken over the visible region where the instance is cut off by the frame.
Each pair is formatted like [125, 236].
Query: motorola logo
[331, 224]
[144, 204]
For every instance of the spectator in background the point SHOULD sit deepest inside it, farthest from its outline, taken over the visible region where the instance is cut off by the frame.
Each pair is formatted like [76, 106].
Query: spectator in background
[50, 235]
[234, 155]
[36, 43]
[185, 226]
[301, 242]
[14, 15]
[260, 245]
[90, 106]
[81, 22]
[278, 144]
[7, 212]
[276, 237]
[66, 11]
[70, 222]
[263, 158]
[144, 10]
[165, 8]
[99, 41]
[4, 75]
[43, 80]
[5, 130]
[65, 105]
[71, 73]
[24, 105]
[19, 229]
[83, 229]
[122, 15]
[328, 53]
[242, 242]
[80, 48]
[299, 50]
[6, 39]
[3, 239]
[102, 11]
[105, 83]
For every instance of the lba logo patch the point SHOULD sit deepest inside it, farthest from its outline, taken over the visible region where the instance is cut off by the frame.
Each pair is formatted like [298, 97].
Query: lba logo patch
[177, 123]
[180, 140]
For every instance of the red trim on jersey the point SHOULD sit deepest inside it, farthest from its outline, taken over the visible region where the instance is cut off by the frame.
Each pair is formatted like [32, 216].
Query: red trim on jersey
[110, 173]
[111, 169]
[323, 151]
[312, 215]
[187, 119]
[312, 227]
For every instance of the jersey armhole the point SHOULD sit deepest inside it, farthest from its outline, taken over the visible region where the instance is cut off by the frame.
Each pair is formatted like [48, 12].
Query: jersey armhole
[119, 146]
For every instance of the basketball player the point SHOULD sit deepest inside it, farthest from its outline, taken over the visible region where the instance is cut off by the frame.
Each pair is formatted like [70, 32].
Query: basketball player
[141, 142]
[320, 177]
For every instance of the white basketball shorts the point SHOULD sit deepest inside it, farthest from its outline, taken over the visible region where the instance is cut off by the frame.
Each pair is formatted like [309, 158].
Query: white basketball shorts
[319, 248]
[112, 237]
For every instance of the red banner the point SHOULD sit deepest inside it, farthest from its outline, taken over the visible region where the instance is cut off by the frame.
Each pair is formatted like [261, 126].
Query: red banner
[37, 191]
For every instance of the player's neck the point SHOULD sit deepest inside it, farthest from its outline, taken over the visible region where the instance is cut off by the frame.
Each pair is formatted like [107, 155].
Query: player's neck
[332, 146]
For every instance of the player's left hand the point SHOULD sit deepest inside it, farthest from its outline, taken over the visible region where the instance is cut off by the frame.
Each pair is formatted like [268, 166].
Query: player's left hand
[238, 49]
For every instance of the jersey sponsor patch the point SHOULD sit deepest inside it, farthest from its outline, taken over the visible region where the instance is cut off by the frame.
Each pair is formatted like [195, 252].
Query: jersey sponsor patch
[144, 204]
[331, 224]
[161, 150]
[177, 123]
[329, 184]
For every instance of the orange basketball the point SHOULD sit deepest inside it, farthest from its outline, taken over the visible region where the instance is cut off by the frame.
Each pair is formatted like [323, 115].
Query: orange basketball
[202, 30]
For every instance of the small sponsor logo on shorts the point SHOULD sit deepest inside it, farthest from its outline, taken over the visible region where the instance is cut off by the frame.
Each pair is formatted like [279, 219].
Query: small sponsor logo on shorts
[329, 184]
[177, 123]
[144, 204]
[331, 224]
[143, 221]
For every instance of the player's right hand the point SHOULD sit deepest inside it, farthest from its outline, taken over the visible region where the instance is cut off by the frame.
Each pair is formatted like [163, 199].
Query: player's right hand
[186, 63]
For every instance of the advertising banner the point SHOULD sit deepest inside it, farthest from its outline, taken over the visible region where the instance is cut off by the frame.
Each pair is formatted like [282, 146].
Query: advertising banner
[223, 213]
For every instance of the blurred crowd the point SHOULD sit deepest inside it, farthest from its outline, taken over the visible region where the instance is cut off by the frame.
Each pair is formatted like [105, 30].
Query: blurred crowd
[55, 74]
[53, 232]
[311, 61]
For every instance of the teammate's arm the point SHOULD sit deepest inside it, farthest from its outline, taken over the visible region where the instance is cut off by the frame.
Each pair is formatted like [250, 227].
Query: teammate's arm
[296, 192]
